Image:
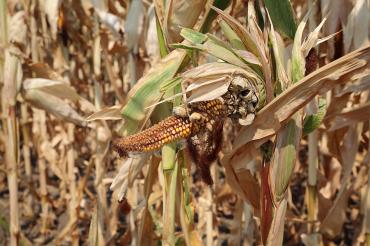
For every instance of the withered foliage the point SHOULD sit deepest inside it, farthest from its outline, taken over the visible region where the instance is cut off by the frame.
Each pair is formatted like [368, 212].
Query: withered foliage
[78, 76]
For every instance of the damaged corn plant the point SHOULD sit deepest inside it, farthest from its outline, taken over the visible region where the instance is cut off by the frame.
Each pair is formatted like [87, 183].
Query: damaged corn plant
[184, 122]
[263, 95]
[201, 119]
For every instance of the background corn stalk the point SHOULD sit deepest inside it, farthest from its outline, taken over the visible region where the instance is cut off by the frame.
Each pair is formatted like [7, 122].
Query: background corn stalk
[62, 61]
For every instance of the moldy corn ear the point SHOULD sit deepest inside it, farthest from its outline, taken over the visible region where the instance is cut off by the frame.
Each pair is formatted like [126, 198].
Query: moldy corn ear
[166, 131]
[171, 129]
[202, 127]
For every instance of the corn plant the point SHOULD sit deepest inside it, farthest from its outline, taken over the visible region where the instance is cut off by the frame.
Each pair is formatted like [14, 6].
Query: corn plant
[254, 55]
[184, 122]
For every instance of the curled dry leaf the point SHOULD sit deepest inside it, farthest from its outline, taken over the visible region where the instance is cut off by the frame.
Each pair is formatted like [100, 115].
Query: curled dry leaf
[53, 105]
[209, 90]
[240, 175]
[49, 81]
[312, 39]
[211, 80]
[55, 88]
[129, 170]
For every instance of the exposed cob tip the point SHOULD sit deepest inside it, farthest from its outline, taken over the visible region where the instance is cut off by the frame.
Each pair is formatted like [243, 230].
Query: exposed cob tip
[117, 146]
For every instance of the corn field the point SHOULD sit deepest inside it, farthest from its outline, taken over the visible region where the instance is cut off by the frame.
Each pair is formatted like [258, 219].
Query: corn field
[185, 122]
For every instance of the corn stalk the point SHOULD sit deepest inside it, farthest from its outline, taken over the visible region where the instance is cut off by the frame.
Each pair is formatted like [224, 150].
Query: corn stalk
[12, 74]
[366, 221]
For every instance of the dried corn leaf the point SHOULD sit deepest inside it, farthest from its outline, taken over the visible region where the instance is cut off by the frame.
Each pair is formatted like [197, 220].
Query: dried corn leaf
[348, 117]
[344, 70]
[181, 13]
[277, 226]
[358, 86]
[332, 224]
[209, 90]
[356, 31]
[214, 69]
[248, 57]
[147, 223]
[53, 105]
[260, 38]
[231, 55]
[222, 53]
[55, 88]
[127, 173]
[111, 113]
[312, 39]
[163, 49]
[212, 45]
[211, 80]
[240, 175]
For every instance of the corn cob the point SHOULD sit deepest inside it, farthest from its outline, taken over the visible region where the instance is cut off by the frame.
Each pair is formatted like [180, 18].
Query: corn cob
[172, 128]
[166, 131]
